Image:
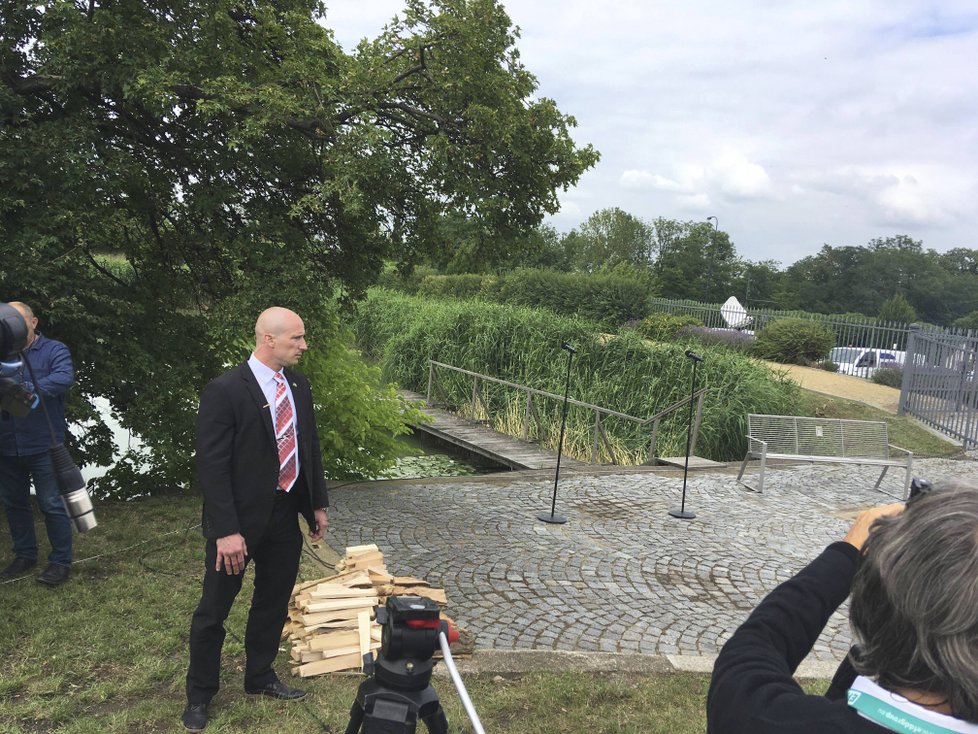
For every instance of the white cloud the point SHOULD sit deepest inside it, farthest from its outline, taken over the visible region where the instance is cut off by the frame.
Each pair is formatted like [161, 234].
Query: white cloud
[926, 198]
[730, 173]
[634, 179]
[739, 177]
[795, 124]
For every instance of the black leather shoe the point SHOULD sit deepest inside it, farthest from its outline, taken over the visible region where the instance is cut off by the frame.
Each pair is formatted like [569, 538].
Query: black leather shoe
[18, 567]
[54, 574]
[277, 689]
[195, 716]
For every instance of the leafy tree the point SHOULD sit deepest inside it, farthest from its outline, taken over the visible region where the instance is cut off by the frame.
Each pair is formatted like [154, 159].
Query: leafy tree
[692, 260]
[231, 155]
[609, 237]
[968, 321]
[960, 260]
[542, 247]
[460, 245]
[897, 309]
[859, 279]
[758, 284]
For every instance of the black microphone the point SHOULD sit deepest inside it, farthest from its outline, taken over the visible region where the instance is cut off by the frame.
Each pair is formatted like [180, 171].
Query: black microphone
[568, 347]
[693, 355]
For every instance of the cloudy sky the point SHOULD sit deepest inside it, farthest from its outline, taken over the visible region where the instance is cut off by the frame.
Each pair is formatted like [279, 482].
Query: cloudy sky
[796, 124]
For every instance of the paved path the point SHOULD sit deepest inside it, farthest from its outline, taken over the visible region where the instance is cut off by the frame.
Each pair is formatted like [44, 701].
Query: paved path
[621, 576]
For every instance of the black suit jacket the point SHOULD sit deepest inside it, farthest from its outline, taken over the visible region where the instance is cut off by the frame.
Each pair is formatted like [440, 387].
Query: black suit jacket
[237, 457]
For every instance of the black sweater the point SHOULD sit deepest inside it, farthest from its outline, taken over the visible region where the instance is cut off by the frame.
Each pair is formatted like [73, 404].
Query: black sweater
[752, 690]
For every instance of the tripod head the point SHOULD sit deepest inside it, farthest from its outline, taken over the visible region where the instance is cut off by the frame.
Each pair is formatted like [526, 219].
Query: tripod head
[409, 637]
[398, 692]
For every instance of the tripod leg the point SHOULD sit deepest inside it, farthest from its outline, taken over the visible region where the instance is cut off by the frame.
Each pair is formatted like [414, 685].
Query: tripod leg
[436, 721]
[356, 718]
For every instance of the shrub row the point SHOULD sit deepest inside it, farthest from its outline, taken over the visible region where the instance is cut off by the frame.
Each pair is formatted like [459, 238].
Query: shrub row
[624, 373]
[608, 298]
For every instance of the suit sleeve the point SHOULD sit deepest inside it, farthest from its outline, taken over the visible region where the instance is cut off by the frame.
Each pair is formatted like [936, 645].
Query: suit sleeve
[215, 440]
[752, 690]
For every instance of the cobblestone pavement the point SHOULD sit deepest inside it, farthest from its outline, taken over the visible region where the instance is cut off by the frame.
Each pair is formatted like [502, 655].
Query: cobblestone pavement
[622, 575]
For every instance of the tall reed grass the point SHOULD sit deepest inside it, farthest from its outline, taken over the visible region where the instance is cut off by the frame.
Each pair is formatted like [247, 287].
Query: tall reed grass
[624, 373]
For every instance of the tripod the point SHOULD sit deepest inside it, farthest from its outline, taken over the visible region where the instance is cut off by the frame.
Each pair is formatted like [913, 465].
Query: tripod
[395, 697]
[398, 692]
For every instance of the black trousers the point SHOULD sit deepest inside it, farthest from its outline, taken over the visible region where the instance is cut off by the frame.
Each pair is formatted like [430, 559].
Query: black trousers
[276, 561]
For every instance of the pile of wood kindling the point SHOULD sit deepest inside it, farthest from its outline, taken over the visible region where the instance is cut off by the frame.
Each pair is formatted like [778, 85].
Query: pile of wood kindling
[331, 620]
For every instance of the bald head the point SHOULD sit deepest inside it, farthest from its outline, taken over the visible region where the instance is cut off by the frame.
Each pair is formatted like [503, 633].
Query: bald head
[28, 313]
[280, 337]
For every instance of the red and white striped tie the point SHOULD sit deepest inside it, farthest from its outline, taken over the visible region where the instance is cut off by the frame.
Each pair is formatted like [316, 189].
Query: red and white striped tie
[284, 435]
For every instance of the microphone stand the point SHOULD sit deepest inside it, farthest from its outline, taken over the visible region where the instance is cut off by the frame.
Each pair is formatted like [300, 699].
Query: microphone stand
[553, 518]
[682, 513]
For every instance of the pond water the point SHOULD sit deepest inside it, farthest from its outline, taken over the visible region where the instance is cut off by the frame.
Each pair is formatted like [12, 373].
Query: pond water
[423, 456]
[420, 456]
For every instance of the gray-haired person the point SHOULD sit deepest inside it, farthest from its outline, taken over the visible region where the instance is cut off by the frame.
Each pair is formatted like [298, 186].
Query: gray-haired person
[913, 574]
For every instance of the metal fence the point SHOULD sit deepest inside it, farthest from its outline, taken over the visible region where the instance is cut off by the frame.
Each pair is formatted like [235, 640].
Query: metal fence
[437, 387]
[940, 388]
[850, 331]
[940, 374]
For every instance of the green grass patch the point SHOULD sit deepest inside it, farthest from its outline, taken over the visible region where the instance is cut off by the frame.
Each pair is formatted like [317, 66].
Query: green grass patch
[107, 653]
[903, 432]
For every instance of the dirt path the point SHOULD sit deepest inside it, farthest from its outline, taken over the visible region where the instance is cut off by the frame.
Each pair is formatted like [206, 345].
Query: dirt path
[842, 386]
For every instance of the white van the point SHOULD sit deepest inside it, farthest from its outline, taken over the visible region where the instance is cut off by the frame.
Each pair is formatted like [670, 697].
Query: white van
[863, 362]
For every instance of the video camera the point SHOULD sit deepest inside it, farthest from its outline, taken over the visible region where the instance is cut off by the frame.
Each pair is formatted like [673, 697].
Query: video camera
[14, 397]
[17, 400]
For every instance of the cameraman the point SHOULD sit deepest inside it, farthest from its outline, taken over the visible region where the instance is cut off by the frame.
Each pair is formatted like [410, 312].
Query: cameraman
[913, 574]
[25, 445]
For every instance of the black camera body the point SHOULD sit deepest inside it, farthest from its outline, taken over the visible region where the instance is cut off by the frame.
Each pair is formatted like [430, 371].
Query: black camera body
[398, 693]
[13, 332]
[14, 397]
[919, 488]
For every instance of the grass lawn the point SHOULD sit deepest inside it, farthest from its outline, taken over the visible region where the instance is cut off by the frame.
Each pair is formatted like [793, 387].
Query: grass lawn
[107, 652]
[903, 432]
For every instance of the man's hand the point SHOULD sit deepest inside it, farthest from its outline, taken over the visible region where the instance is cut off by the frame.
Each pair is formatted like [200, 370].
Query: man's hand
[231, 551]
[322, 522]
[859, 531]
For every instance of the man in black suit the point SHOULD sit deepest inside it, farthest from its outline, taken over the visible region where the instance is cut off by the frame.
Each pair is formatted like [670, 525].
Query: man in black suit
[260, 467]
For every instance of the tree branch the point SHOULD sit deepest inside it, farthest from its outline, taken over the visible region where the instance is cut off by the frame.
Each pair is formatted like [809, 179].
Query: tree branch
[31, 84]
[104, 271]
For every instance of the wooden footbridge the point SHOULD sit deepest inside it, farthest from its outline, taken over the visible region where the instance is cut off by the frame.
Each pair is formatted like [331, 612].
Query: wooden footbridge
[521, 453]
[477, 438]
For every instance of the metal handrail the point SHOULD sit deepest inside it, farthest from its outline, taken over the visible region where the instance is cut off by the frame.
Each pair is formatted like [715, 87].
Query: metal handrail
[598, 410]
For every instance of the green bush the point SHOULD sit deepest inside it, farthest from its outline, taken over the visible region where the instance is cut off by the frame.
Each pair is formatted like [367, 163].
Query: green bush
[889, 376]
[469, 285]
[662, 327]
[828, 365]
[355, 411]
[403, 282]
[624, 373]
[608, 298]
[794, 341]
[968, 321]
